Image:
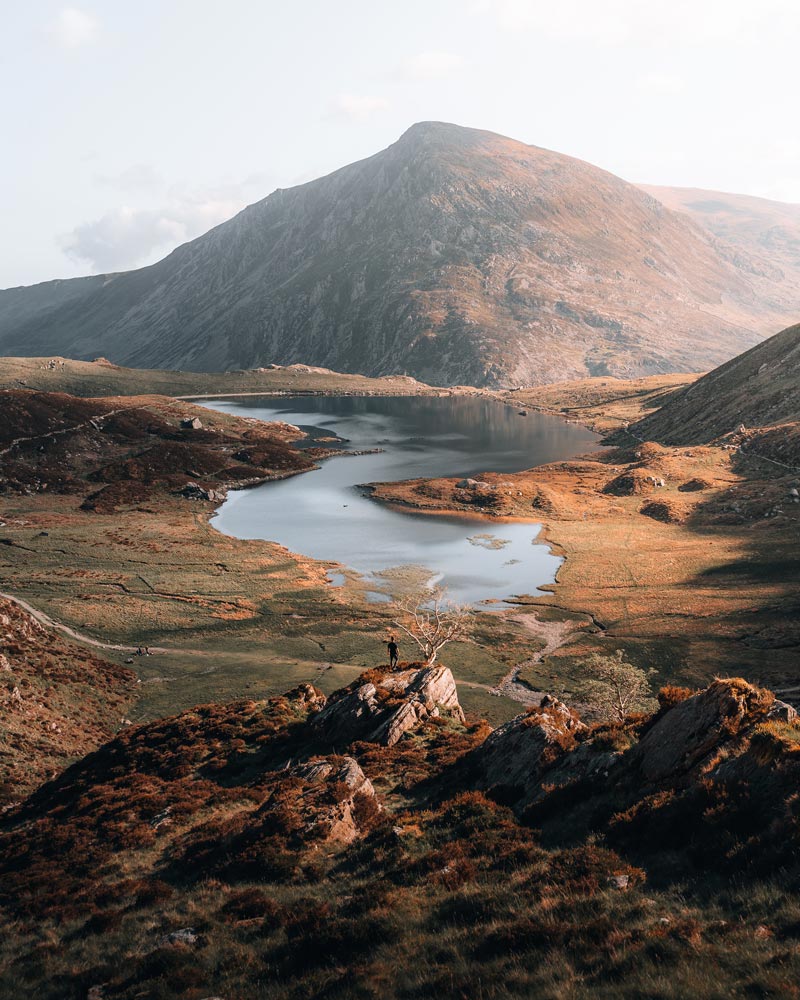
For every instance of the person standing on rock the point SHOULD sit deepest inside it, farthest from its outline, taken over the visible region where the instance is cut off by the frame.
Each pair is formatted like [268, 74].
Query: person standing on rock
[391, 645]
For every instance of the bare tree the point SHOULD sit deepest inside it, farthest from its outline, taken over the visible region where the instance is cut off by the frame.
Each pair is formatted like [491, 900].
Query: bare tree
[613, 688]
[432, 620]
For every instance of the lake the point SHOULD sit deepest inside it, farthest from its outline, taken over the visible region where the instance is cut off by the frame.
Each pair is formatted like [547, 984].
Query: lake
[326, 514]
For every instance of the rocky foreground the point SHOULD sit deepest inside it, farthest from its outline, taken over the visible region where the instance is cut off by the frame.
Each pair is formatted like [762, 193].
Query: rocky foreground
[374, 843]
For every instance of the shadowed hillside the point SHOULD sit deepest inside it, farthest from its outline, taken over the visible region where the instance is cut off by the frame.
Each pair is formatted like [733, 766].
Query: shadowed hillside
[757, 389]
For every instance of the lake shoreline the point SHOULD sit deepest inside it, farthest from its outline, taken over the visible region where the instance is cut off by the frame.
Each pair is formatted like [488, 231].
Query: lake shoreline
[333, 518]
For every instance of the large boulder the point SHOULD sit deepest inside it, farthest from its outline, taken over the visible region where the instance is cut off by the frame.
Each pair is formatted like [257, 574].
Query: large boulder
[383, 707]
[514, 757]
[690, 734]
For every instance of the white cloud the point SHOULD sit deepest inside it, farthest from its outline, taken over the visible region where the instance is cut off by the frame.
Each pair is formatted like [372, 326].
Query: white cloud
[358, 106]
[127, 237]
[661, 84]
[72, 28]
[433, 65]
[132, 235]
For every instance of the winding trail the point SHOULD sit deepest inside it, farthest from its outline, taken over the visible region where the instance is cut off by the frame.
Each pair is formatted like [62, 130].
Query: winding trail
[46, 620]
[555, 635]
[98, 418]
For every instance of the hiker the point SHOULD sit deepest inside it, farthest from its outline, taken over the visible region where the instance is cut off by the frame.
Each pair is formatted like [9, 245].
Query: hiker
[391, 645]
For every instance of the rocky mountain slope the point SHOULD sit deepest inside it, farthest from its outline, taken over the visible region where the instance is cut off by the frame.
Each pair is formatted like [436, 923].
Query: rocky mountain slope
[283, 848]
[455, 255]
[756, 389]
[764, 230]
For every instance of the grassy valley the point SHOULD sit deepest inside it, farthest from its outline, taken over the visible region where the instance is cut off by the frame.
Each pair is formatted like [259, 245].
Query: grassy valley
[257, 809]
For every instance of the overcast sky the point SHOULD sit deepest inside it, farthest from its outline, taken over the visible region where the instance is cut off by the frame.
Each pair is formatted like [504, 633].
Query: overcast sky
[130, 127]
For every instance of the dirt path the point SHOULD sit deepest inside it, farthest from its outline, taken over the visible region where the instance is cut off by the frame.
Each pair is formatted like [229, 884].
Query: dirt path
[92, 421]
[554, 634]
[44, 619]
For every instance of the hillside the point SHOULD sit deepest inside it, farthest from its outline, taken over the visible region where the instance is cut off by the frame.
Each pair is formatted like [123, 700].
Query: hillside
[455, 255]
[58, 701]
[130, 449]
[100, 378]
[759, 388]
[294, 847]
[762, 230]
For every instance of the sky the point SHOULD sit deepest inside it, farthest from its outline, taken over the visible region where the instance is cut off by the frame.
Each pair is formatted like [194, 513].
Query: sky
[129, 128]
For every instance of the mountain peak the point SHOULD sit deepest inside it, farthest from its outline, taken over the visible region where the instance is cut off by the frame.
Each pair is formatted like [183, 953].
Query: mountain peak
[456, 255]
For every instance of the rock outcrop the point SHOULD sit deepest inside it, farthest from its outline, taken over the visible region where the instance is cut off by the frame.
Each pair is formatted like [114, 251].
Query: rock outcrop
[514, 757]
[333, 798]
[381, 709]
[692, 732]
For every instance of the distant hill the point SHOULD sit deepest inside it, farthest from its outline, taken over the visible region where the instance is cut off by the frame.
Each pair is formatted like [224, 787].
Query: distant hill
[455, 255]
[101, 378]
[24, 303]
[757, 389]
[765, 231]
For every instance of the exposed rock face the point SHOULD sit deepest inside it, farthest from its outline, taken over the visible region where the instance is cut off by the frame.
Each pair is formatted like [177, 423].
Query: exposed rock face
[783, 711]
[692, 731]
[333, 790]
[457, 255]
[307, 697]
[516, 755]
[192, 491]
[381, 712]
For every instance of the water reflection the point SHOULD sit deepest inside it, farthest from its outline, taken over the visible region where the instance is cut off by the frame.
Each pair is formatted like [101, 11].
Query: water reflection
[323, 514]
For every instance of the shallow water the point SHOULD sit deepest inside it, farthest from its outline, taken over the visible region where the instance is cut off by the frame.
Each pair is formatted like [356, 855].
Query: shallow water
[324, 514]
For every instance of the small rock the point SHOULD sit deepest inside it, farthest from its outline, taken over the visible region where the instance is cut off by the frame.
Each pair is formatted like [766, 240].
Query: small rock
[783, 711]
[192, 423]
[186, 935]
[618, 881]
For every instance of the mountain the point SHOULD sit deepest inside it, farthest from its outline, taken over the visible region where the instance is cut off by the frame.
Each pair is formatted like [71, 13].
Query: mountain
[455, 255]
[759, 388]
[768, 231]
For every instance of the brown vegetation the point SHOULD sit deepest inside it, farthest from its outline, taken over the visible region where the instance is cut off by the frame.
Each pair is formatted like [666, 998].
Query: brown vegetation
[57, 702]
[226, 852]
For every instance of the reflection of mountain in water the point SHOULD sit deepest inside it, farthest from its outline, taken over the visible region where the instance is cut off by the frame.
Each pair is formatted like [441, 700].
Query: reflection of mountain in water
[470, 434]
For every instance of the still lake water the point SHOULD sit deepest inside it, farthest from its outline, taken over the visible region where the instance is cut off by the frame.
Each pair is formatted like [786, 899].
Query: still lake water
[324, 514]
